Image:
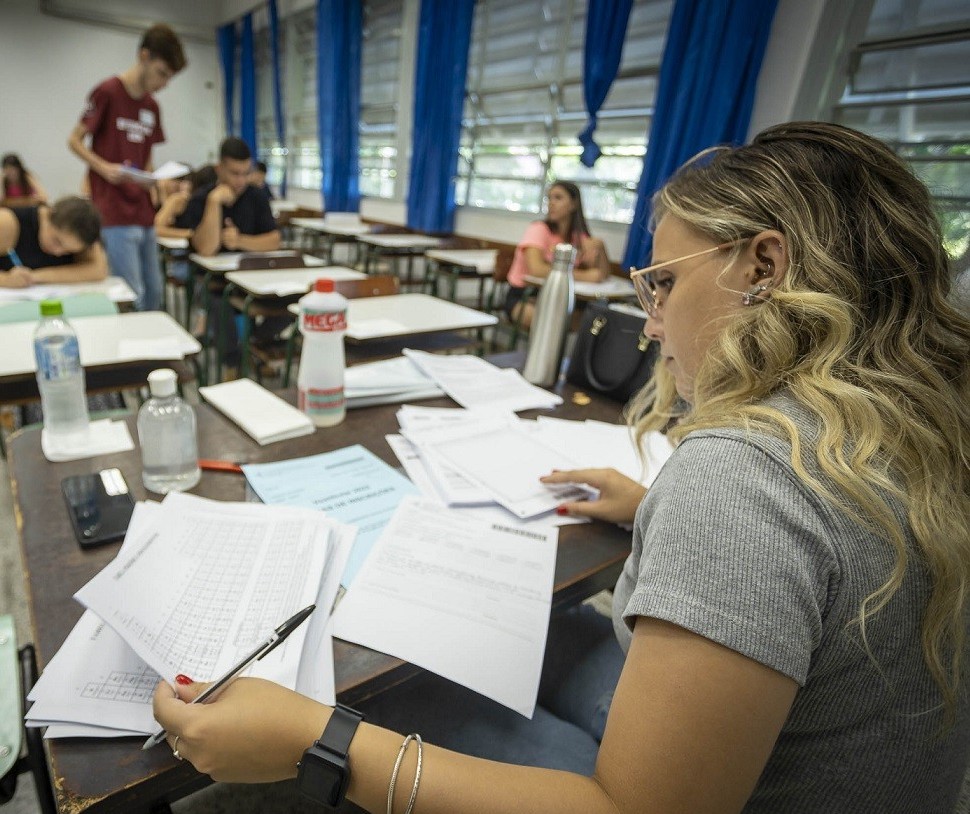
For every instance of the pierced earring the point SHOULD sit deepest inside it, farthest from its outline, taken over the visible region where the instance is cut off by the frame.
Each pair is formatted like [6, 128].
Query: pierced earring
[754, 295]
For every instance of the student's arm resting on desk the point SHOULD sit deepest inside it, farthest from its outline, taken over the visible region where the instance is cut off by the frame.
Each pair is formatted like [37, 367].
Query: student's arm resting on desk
[165, 217]
[233, 240]
[89, 266]
[618, 499]
[18, 276]
[680, 699]
[208, 233]
[539, 267]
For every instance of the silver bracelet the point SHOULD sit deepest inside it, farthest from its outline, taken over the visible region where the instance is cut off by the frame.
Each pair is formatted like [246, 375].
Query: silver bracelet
[397, 769]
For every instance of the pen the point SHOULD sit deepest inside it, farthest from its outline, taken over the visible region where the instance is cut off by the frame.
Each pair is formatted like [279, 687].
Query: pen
[273, 641]
[213, 465]
[14, 257]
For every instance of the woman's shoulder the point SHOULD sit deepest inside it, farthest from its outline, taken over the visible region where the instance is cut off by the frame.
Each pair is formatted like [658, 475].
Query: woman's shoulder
[538, 230]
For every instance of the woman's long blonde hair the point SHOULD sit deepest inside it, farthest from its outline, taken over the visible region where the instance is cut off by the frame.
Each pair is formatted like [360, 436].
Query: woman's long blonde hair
[860, 332]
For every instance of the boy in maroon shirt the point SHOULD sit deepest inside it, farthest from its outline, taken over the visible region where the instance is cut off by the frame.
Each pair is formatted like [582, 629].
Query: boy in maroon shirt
[123, 121]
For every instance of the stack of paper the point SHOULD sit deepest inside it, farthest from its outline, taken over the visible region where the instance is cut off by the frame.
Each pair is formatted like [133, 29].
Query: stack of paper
[264, 416]
[483, 458]
[473, 382]
[196, 584]
[388, 381]
[465, 598]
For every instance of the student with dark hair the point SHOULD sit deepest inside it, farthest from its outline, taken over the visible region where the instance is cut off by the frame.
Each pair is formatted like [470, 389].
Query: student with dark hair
[257, 178]
[19, 183]
[564, 223]
[56, 244]
[229, 214]
[123, 122]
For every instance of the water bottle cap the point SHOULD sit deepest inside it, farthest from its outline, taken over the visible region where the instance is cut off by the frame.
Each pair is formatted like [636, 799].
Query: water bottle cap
[324, 285]
[51, 308]
[163, 382]
[564, 253]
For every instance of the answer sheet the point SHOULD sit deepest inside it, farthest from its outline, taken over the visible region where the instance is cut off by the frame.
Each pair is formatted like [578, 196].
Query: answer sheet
[466, 599]
[195, 593]
[351, 485]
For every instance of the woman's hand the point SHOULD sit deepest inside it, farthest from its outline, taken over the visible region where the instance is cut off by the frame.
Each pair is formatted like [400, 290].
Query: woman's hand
[619, 495]
[254, 732]
[17, 277]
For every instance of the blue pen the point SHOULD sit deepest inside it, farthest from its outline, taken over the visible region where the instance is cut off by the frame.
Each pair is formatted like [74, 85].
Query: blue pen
[14, 258]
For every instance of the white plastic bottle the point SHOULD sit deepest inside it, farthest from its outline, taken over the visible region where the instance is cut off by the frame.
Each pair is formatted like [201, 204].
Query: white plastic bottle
[60, 377]
[320, 381]
[167, 435]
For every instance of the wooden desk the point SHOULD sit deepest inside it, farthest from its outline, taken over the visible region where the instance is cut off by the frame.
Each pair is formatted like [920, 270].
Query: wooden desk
[111, 360]
[97, 776]
[407, 246]
[478, 264]
[267, 293]
[328, 231]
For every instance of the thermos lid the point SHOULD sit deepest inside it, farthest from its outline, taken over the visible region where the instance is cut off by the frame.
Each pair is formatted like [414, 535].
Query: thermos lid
[163, 382]
[51, 308]
[564, 253]
[324, 285]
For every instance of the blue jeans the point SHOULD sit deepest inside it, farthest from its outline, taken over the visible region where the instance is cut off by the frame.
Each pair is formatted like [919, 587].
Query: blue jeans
[579, 675]
[133, 255]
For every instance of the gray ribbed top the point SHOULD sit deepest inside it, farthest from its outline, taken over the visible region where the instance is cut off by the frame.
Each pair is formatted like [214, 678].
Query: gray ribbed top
[729, 544]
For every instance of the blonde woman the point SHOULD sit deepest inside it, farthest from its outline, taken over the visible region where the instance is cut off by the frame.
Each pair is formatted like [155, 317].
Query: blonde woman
[794, 609]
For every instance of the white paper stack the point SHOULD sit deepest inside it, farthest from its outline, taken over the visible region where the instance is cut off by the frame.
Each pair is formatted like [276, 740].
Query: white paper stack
[264, 416]
[486, 460]
[196, 584]
[473, 382]
[388, 381]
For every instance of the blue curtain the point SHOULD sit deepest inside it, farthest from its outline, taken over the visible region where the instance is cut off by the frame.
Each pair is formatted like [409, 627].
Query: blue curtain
[606, 22]
[444, 34]
[339, 36]
[247, 87]
[226, 36]
[707, 84]
[274, 42]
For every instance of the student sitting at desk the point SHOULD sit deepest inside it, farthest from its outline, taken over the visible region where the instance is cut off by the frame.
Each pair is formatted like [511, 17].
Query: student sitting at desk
[230, 215]
[794, 609]
[57, 244]
[19, 184]
[177, 200]
[564, 223]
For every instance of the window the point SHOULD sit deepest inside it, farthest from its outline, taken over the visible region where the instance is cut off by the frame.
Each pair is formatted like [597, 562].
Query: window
[524, 107]
[268, 147]
[301, 101]
[909, 84]
[380, 59]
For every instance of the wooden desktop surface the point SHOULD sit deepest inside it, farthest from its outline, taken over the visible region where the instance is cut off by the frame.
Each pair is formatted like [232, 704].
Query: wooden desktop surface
[114, 775]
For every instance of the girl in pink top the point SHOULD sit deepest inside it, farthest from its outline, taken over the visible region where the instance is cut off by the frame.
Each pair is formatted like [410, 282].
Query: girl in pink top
[564, 223]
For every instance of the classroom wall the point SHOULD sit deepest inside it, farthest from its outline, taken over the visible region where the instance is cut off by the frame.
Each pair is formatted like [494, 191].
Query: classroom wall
[49, 65]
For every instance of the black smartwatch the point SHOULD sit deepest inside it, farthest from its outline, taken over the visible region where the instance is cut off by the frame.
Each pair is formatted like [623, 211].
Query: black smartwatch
[324, 772]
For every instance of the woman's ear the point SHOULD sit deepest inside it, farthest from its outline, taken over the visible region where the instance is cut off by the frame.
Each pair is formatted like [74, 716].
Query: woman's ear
[766, 259]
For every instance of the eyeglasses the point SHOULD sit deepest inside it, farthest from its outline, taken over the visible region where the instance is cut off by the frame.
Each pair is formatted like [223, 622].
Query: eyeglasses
[646, 286]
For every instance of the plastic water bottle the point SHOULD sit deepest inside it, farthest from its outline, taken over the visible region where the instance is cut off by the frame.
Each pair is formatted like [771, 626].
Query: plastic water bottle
[320, 380]
[167, 434]
[60, 377]
[550, 325]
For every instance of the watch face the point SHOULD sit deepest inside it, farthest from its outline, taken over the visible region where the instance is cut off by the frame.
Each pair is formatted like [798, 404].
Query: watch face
[320, 779]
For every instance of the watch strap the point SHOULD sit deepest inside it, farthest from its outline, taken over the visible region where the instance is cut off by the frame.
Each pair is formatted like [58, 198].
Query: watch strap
[340, 730]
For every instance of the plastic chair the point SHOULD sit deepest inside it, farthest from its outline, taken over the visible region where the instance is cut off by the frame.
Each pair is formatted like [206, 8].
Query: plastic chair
[18, 673]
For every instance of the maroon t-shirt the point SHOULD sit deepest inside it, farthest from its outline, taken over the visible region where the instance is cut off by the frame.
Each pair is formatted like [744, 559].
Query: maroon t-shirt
[122, 129]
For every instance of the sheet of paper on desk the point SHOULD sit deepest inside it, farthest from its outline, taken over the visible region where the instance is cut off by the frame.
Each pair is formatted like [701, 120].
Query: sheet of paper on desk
[507, 462]
[167, 347]
[414, 465]
[387, 381]
[263, 415]
[466, 599]
[95, 680]
[473, 382]
[209, 580]
[351, 485]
